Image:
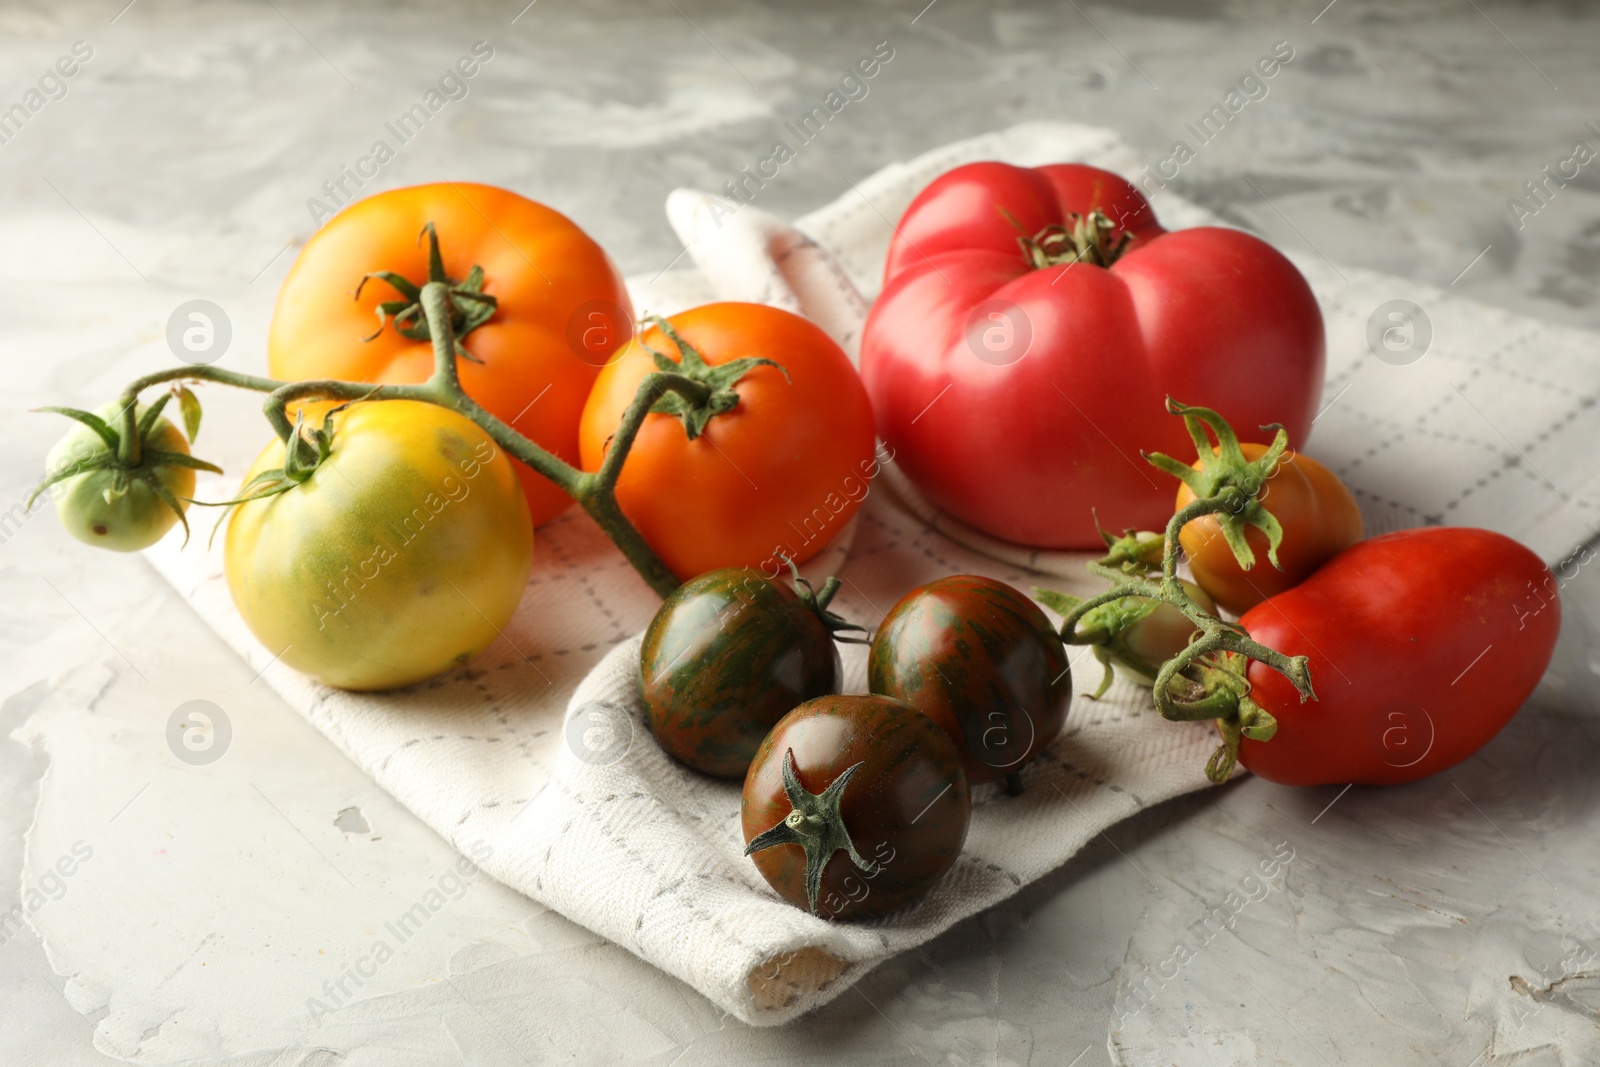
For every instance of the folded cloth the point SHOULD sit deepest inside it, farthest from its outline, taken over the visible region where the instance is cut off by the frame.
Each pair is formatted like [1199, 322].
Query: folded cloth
[538, 748]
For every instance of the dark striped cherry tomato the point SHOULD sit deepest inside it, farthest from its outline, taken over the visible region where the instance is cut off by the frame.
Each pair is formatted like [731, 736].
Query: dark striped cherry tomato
[981, 660]
[730, 653]
[855, 806]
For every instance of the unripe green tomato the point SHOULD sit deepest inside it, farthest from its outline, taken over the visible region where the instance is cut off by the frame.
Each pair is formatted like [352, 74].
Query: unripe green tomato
[109, 508]
[1164, 632]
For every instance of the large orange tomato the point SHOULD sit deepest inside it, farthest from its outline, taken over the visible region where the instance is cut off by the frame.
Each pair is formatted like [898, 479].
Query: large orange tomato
[1319, 517]
[782, 471]
[562, 313]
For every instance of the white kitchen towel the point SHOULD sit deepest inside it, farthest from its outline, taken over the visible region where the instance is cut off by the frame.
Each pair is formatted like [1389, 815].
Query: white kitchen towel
[537, 748]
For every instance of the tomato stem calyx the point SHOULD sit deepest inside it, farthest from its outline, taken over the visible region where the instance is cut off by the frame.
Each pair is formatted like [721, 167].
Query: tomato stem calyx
[815, 825]
[469, 306]
[1091, 239]
[1106, 630]
[128, 451]
[1225, 474]
[838, 627]
[716, 394]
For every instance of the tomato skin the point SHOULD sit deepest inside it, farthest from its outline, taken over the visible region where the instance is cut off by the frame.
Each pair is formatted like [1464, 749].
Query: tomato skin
[980, 659]
[729, 654]
[1319, 517]
[401, 556]
[538, 360]
[907, 809]
[780, 473]
[1024, 443]
[133, 519]
[1422, 645]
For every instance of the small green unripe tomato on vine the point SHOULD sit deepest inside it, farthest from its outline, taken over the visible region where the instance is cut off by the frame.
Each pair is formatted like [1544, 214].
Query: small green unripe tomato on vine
[106, 502]
[1154, 631]
[1136, 634]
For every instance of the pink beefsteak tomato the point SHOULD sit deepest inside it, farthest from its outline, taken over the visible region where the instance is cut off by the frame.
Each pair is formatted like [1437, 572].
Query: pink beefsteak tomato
[1032, 323]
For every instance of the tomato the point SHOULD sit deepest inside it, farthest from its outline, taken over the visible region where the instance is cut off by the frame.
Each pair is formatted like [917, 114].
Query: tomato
[779, 473]
[980, 659]
[1136, 633]
[109, 507]
[562, 312]
[1319, 517]
[729, 654]
[1018, 396]
[1422, 645]
[403, 554]
[1154, 631]
[872, 809]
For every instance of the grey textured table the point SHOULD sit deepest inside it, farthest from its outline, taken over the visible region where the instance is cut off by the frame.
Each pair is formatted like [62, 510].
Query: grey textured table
[1452, 921]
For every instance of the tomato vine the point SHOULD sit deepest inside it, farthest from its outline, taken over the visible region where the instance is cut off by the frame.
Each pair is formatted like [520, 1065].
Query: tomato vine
[692, 390]
[1200, 682]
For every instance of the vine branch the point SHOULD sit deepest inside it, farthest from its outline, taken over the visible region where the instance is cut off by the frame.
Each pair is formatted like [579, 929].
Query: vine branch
[1201, 682]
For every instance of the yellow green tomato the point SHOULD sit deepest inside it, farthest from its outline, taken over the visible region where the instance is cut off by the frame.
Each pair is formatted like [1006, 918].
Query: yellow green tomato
[113, 508]
[403, 554]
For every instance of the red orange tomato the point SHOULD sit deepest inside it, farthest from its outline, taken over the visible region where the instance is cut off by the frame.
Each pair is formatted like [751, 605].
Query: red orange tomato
[1422, 645]
[780, 473]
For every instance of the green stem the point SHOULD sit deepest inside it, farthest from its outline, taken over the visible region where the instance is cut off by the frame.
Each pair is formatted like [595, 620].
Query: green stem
[129, 450]
[435, 300]
[443, 310]
[275, 407]
[594, 492]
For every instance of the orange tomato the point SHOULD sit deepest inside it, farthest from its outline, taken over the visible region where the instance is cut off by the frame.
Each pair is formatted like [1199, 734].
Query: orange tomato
[781, 472]
[562, 314]
[1319, 517]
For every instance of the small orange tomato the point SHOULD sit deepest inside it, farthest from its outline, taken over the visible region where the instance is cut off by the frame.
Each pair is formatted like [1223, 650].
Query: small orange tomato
[1319, 517]
[562, 309]
[781, 472]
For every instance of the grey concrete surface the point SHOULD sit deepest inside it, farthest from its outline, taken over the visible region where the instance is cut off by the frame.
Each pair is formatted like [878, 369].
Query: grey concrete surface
[1452, 921]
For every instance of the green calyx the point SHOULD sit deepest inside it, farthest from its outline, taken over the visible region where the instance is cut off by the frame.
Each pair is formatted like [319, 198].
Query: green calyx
[718, 381]
[1091, 238]
[1218, 682]
[1109, 628]
[1225, 476]
[1134, 552]
[841, 628]
[133, 459]
[470, 307]
[815, 825]
[303, 452]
